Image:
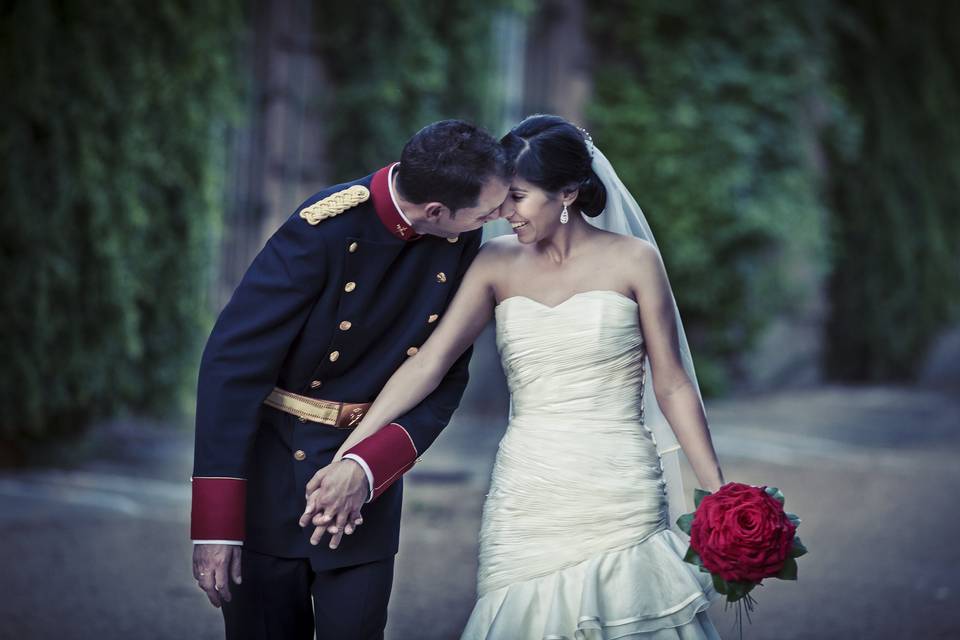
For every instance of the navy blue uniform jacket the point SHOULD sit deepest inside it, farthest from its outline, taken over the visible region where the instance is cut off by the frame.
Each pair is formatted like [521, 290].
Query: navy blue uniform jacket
[284, 327]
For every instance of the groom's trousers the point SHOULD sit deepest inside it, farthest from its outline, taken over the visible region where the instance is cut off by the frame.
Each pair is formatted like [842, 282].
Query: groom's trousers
[273, 600]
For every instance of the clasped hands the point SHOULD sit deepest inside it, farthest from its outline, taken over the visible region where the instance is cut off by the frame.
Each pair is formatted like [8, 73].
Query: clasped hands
[335, 495]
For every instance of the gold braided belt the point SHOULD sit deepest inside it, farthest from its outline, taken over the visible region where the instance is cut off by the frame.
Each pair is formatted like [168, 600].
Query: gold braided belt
[341, 415]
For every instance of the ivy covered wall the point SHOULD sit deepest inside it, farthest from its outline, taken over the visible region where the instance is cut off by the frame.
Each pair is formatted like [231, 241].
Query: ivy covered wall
[111, 139]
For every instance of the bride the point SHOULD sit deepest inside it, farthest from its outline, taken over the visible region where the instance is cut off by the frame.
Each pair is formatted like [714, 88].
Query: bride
[577, 539]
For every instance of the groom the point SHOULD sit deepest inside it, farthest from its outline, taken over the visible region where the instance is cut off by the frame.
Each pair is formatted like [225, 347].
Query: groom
[348, 288]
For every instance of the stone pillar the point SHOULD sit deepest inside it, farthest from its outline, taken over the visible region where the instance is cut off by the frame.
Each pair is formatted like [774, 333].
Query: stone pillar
[278, 154]
[558, 74]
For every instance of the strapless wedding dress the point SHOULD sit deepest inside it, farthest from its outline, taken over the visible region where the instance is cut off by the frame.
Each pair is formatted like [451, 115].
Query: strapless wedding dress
[575, 542]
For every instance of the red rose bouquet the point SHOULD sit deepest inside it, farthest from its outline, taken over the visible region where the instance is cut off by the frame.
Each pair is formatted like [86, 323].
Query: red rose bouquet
[741, 535]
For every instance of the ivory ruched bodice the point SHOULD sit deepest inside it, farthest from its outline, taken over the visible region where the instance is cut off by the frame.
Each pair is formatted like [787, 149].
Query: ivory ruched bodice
[582, 359]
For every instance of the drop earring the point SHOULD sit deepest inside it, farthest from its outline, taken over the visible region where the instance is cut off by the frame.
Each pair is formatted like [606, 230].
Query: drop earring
[565, 215]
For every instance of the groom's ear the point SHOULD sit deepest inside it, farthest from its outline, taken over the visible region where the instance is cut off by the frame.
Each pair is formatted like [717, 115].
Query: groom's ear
[435, 210]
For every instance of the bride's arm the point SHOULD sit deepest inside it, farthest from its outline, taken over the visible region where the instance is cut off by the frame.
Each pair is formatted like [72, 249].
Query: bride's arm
[675, 391]
[467, 315]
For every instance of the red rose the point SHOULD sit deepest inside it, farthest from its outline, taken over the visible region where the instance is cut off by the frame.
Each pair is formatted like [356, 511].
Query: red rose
[741, 533]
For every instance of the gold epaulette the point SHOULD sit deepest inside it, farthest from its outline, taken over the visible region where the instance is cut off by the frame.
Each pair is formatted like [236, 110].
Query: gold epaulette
[335, 204]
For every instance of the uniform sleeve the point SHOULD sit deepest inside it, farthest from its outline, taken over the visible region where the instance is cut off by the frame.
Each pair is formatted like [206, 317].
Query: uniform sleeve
[395, 448]
[239, 368]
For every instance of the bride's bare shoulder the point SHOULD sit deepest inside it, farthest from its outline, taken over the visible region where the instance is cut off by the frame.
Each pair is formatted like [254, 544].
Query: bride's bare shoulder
[494, 259]
[500, 249]
[641, 260]
[632, 250]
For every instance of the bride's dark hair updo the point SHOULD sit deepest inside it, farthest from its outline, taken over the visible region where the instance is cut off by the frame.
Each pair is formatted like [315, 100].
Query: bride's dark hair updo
[552, 153]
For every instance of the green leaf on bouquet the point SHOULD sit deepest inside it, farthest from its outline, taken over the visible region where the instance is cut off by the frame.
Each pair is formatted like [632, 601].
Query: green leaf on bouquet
[693, 557]
[719, 584]
[698, 495]
[737, 590]
[774, 493]
[684, 522]
[794, 518]
[789, 570]
[798, 548]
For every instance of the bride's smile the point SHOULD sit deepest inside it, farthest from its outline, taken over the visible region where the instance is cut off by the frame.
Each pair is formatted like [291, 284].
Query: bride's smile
[534, 213]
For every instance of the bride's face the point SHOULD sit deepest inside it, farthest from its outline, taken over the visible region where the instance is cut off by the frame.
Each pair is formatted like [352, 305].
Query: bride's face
[533, 213]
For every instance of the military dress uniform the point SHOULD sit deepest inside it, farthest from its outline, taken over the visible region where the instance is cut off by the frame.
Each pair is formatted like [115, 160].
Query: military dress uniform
[332, 305]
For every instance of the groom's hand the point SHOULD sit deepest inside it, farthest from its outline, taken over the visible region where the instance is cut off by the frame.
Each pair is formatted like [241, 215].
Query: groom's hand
[335, 495]
[214, 565]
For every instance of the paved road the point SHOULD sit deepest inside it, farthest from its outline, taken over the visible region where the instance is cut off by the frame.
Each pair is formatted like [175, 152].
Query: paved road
[100, 551]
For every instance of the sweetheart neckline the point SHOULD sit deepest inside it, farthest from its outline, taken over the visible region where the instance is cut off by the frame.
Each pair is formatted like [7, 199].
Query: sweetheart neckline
[569, 298]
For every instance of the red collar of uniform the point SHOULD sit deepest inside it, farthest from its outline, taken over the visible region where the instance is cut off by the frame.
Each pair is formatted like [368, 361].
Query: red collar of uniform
[386, 210]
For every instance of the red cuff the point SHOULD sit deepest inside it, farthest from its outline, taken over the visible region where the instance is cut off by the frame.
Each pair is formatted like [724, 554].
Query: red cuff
[218, 511]
[389, 453]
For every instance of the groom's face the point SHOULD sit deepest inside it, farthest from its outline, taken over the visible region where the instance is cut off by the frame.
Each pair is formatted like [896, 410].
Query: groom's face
[446, 224]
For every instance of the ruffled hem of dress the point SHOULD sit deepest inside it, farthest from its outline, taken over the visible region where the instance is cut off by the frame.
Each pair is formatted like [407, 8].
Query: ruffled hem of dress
[645, 591]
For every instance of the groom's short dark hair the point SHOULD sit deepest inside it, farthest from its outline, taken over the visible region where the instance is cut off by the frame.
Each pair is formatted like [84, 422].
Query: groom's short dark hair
[449, 161]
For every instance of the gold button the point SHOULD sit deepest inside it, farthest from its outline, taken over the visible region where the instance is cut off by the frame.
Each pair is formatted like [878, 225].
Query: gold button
[315, 384]
[412, 351]
[300, 454]
[350, 286]
[353, 247]
[453, 240]
[433, 318]
[334, 355]
[441, 277]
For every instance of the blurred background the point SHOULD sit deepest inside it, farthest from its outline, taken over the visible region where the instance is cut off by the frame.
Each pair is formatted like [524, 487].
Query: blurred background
[799, 163]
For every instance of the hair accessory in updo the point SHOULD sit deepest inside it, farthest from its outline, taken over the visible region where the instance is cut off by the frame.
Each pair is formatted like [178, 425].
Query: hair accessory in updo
[588, 138]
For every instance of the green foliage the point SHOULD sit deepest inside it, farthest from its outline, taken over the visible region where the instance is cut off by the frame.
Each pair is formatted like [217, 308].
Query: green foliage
[893, 189]
[797, 548]
[685, 522]
[697, 105]
[789, 570]
[402, 66]
[699, 495]
[113, 119]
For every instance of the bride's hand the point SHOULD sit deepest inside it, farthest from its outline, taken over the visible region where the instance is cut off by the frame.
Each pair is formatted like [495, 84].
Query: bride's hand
[335, 496]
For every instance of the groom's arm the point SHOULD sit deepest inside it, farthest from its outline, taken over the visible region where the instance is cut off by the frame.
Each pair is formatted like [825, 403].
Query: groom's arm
[239, 368]
[390, 452]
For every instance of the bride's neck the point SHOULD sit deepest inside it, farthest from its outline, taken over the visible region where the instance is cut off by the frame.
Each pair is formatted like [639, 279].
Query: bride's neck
[567, 241]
